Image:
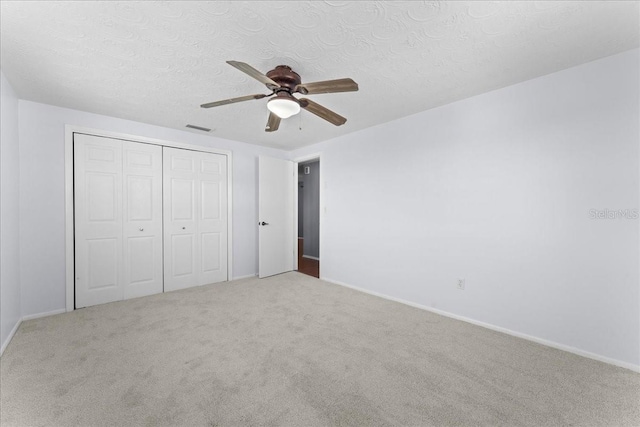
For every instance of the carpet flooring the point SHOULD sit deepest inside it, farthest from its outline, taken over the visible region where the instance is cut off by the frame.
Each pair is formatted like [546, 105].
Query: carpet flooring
[292, 350]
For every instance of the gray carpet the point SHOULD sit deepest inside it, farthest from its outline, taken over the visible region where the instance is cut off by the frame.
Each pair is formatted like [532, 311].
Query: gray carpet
[295, 351]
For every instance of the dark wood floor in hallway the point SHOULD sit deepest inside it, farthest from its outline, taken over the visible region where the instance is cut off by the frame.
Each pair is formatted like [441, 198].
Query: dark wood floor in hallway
[307, 266]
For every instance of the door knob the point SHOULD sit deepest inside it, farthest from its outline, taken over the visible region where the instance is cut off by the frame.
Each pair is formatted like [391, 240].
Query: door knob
[142, 229]
[184, 228]
[264, 223]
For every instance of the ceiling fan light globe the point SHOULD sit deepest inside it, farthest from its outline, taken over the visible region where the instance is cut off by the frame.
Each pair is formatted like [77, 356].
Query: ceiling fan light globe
[283, 108]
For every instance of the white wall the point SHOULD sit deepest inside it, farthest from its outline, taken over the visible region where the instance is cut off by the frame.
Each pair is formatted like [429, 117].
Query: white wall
[9, 213]
[42, 209]
[497, 189]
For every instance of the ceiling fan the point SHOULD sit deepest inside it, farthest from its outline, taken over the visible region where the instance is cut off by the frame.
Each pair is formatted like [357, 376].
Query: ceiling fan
[283, 82]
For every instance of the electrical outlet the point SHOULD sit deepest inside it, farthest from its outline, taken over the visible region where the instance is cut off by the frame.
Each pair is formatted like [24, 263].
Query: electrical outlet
[460, 284]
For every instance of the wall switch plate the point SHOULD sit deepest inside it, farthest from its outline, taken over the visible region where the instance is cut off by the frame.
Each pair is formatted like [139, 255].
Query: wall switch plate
[461, 284]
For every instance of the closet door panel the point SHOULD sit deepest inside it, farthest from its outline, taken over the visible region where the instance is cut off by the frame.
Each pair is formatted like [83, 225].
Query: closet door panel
[213, 217]
[183, 248]
[195, 207]
[142, 175]
[211, 250]
[98, 220]
[102, 268]
[180, 201]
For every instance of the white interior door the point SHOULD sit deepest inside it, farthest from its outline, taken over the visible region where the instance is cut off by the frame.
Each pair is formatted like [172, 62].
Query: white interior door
[195, 218]
[276, 220]
[98, 220]
[142, 219]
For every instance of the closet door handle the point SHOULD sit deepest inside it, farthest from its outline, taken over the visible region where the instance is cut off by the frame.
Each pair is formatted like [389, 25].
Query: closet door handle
[142, 229]
[184, 228]
[264, 223]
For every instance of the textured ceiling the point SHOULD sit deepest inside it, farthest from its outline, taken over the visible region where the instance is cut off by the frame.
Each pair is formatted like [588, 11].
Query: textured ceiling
[156, 62]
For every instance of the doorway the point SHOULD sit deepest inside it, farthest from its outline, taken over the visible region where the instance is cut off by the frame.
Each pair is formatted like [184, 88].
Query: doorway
[309, 217]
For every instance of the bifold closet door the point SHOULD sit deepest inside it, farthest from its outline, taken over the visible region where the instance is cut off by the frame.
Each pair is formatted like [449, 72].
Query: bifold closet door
[98, 219]
[118, 219]
[142, 219]
[195, 218]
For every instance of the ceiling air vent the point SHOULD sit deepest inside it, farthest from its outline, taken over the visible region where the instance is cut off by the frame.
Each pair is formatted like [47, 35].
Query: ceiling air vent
[199, 128]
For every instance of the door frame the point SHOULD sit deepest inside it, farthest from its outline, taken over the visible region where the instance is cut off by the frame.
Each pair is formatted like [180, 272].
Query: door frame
[323, 211]
[69, 130]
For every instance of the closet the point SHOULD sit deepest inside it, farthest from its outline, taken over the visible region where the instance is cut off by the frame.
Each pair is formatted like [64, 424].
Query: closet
[147, 219]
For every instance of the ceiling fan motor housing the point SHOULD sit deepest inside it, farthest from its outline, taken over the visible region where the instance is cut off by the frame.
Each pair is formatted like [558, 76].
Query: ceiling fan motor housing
[285, 77]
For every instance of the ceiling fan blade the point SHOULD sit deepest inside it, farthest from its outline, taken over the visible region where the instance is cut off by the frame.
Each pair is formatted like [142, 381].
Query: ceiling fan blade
[248, 69]
[273, 123]
[233, 100]
[328, 86]
[322, 112]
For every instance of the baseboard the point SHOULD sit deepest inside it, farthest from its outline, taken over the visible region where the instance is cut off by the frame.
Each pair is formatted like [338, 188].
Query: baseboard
[46, 314]
[552, 344]
[10, 337]
[25, 318]
[311, 257]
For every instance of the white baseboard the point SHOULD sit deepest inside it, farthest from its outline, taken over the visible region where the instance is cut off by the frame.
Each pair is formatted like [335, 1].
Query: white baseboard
[46, 314]
[10, 337]
[311, 257]
[25, 318]
[563, 347]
